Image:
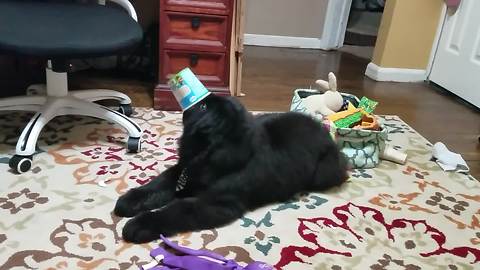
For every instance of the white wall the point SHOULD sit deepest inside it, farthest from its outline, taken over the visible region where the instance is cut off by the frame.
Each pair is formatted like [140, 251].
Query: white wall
[294, 18]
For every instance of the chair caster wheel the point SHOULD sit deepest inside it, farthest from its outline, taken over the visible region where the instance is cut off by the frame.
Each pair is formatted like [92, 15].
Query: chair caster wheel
[125, 109]
[20, 164]
[134, 145]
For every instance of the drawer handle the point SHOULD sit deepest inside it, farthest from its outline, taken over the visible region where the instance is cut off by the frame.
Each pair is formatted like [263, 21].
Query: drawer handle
[193, 59]
[195, 22]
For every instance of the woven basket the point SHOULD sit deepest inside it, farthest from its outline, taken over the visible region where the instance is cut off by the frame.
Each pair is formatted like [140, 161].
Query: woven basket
[362, 148]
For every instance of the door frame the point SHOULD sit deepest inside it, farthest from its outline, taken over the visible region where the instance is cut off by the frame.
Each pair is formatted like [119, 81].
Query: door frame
[436, 41]
[335, 25]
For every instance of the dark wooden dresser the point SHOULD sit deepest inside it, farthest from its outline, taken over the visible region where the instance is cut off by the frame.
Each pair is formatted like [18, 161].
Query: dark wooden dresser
[204, 35]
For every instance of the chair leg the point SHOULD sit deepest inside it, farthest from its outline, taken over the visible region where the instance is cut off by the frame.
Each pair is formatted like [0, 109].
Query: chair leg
[28, 139]
[101, 94]
[80, 107]
[24, 103]
[22, 160]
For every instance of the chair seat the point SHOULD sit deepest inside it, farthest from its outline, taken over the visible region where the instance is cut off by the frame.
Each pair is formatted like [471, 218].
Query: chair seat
[65, 29]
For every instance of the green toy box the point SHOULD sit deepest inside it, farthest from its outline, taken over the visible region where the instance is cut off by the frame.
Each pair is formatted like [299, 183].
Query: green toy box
[362, 148]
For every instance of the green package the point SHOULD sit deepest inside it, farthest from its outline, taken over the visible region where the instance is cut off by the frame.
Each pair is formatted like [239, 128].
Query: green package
[349, 120]
[367, 105]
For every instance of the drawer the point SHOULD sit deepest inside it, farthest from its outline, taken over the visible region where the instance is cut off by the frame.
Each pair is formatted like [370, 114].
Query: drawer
[210, 68]
[194, 31]
[199, 6]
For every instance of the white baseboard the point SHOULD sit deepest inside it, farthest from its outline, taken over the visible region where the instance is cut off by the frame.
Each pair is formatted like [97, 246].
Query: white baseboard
[395, 74]
[284, 41]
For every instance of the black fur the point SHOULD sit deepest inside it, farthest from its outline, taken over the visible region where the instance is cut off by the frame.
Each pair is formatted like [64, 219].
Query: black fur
[234, 163]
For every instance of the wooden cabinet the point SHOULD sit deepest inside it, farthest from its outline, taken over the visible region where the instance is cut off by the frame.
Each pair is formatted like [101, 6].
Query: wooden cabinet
[208, 66]
[200, 6]
[191, 31]
[204, 35]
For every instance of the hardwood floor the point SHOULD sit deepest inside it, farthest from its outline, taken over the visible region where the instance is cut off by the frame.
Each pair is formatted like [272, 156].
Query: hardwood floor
[271, 75]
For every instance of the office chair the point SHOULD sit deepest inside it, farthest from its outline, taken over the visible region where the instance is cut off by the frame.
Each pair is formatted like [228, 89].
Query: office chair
[60, 31]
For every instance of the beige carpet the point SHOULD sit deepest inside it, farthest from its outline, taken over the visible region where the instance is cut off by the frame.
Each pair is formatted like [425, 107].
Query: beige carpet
[56, 216]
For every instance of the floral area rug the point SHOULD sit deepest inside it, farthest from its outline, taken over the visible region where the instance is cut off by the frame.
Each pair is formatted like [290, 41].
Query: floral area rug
[57, 216]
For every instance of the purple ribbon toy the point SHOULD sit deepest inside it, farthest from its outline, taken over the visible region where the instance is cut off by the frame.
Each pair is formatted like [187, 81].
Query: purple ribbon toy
[194, 260]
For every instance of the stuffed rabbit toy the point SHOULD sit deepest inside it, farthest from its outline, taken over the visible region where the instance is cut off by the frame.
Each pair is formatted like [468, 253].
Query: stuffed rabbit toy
[327, 103]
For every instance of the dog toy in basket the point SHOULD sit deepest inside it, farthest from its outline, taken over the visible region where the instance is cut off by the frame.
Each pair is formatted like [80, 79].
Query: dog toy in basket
[359, 133]
[323, 102]
[353, 116]
[191, 259]
[329, 102]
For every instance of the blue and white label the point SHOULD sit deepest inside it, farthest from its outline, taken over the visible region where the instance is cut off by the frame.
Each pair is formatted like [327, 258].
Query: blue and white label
[187, 89]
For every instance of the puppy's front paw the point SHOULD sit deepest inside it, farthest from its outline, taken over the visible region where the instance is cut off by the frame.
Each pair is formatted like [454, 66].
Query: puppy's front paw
[130, 203]
[140, 229]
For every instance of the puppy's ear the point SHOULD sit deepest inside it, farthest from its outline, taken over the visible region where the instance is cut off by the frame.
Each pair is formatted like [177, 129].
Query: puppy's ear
[234, 109]
[232, 118]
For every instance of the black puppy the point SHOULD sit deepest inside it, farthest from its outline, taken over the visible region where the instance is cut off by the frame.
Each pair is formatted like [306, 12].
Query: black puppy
[231, 162]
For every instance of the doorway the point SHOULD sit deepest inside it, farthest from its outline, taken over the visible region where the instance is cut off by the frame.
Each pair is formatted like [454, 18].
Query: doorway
[456, 64]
